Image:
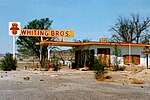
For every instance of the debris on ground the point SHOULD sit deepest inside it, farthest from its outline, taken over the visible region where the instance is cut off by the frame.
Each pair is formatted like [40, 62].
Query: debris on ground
[41, 80]
[84, 69]
[133, 74]
[136, 81]
[26, 78]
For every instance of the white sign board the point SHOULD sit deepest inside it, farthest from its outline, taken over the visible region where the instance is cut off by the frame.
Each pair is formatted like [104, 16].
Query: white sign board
[14, 28]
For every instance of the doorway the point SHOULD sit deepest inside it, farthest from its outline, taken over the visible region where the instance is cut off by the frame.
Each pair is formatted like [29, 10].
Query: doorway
[104, 56]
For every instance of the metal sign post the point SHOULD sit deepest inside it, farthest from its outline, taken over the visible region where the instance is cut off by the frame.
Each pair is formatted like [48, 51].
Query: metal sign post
[14, 30]
[14, 47]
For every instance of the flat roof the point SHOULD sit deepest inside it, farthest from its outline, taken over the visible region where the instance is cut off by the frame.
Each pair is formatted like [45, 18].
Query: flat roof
[76, 44]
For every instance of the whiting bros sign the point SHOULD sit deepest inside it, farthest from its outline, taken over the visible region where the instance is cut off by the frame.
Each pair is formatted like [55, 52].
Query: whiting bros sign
[15, 30]
[47, 33]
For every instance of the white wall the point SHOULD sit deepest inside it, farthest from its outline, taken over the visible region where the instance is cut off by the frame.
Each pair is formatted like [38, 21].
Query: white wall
[124, 50]
[135, 51]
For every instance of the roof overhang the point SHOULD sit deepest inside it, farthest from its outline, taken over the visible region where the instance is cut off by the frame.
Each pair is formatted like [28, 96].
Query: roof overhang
[59, 43]
[75, 44]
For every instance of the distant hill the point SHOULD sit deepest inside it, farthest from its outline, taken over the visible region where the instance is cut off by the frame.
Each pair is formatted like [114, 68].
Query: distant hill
[1, 55]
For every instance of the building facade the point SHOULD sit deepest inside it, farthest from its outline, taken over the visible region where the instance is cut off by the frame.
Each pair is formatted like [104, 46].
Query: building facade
[85, 52]
[129, 53]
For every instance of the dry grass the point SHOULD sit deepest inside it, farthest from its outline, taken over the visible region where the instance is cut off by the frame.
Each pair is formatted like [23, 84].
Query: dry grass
[28, 64]
[136, 81]
[106, 79]
[135, 68]
[113, 68]
[122, 68]
[101, 78]
[84, 69]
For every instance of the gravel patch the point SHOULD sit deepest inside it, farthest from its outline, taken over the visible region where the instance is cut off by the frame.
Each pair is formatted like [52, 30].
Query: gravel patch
[66, 85]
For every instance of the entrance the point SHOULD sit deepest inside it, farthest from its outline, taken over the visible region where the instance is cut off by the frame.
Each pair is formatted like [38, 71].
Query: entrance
[104, 56]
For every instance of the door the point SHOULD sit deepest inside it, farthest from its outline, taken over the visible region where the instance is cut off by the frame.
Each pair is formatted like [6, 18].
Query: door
[104, 56]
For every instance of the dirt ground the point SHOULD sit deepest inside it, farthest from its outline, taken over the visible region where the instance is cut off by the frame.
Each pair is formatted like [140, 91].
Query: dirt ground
[131, 75]
[73, 85]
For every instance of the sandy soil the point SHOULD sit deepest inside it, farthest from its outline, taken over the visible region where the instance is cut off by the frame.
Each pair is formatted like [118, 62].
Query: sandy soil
[131, 75]
[67, 85]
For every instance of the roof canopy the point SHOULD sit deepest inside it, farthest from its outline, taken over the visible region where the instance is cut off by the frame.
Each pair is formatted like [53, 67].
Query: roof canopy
[75, 44]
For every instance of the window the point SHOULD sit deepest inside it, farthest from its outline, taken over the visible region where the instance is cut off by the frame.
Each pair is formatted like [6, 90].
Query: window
[132, 59]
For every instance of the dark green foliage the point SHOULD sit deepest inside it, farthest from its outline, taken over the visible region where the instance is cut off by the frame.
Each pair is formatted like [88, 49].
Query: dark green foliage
[8, 63]
[54, 62]
[117, 53]
[97, 65]
[84, 40]
[72, 54]
[85, 58]
[27, 45]
[91, 59]
[98, 68]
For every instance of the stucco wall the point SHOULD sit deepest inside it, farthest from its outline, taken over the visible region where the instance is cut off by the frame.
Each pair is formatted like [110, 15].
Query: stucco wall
[134, 51]
[124, 50]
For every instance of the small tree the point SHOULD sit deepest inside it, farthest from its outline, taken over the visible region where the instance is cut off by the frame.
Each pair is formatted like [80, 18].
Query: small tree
[27, 45]
[54, 62]
[8, 63]
[117, 53]
[98, 68]
[85, 58]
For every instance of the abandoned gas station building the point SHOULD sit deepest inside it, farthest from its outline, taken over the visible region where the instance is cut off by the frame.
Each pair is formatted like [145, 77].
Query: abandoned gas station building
[131, 53]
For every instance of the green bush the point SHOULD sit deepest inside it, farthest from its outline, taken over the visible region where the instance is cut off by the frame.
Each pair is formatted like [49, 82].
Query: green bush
[8, 63]
[98, 68]
[97, 65]
[54, 63]
[117, 53]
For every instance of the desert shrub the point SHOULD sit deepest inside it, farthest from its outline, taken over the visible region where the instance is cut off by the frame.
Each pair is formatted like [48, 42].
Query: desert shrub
[122, 68]
[98, 68]
[99, 74]
[116, 61]
[8, 63]
[97, 65]
[119, 68]
[54, 63]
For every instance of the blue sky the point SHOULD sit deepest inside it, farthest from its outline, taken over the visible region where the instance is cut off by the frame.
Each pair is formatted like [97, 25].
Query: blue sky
[88, 18]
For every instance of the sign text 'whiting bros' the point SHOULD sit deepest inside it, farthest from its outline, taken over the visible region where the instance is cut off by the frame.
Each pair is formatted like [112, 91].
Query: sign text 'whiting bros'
[15, 30]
